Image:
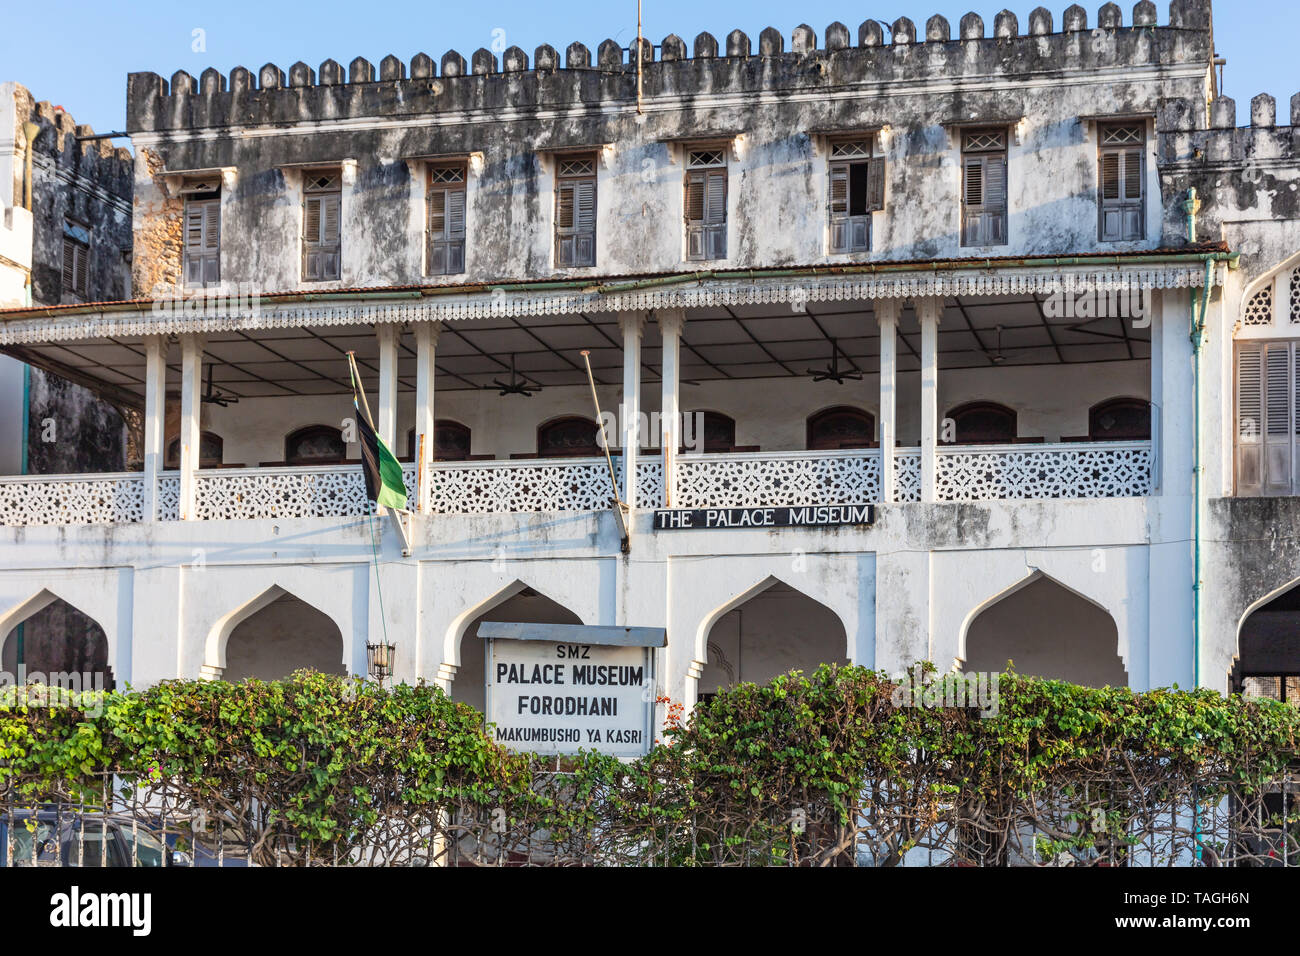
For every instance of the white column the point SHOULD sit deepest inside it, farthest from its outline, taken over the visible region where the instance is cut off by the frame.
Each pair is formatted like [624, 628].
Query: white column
[386, 413]
[191, 407]
[887, 311]
[155, 410]
[426, 344]
[632, 324]
[928, 312]
[671, 322]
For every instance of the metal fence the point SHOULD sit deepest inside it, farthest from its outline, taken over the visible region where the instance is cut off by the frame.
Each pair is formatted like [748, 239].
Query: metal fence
[103, 820]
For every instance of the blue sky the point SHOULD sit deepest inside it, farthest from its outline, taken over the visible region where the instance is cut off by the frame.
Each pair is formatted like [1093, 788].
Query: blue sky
[78, 54]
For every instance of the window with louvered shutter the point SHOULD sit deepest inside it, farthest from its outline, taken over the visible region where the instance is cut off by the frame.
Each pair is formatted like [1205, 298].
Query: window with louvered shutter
[445, 221]
[76, 268]
[1120, 183]
[321, 242]
[1267, 436]
[856, 189]
[202, 240]
[575, 211]
[705, 204]
[984, 188]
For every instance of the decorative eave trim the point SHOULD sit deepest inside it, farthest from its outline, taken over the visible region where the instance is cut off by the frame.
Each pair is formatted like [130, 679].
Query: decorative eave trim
[238, 313]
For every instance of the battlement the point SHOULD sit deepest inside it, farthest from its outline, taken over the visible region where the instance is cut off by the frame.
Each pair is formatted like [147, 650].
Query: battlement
[483, 82]
[96, 160]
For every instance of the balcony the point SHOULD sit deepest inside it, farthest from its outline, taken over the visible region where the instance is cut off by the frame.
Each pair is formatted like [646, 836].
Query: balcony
[734, 480]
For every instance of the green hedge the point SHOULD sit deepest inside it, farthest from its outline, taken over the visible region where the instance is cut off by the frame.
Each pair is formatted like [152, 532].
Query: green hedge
[789, 770]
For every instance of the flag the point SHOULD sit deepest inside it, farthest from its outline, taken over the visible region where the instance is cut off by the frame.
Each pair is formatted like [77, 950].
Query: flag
[382, 471]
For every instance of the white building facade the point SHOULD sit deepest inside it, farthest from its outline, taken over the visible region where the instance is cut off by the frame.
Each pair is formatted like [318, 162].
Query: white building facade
[948, 276]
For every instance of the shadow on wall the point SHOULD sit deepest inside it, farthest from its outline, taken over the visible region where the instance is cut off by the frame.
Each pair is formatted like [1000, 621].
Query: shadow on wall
[58, 639]
[777, 630]
[286, 635]
[526, 607]
[1047, 631]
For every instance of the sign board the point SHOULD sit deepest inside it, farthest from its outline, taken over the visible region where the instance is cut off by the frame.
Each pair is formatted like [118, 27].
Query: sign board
[803, 516]
[561, 688]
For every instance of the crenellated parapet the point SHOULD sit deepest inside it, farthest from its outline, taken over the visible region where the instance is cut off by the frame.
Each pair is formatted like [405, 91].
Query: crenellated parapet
[57, 142]
[838, 57]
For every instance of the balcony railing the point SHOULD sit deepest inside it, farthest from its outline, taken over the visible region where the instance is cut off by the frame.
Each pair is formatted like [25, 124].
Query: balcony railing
[962, 473]
[1097, 470]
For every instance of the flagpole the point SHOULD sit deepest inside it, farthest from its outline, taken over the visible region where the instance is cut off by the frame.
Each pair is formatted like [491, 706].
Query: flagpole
[358, 388]
[604, 441]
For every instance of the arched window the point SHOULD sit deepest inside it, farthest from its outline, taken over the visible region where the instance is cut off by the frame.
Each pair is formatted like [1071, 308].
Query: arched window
[710, 432]
[315, 445]
[983, 423]
[1120, 419]
[210, 451]
[841, 426]
[450, 441]
[569, 437]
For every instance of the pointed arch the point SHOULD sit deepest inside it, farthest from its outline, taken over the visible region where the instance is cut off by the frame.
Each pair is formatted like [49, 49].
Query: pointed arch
[1252, 287]
[1091, 655]
[517, 601]
[1268, 639]
[793, 631]
[218, 637]
[57, 637]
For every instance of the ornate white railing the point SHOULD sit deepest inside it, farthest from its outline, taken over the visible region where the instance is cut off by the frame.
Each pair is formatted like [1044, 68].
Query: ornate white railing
[323, 491]
[777, 478]
[535, 484]
[1069, 470]
[72, 499]
[963, 473]
[907, 475]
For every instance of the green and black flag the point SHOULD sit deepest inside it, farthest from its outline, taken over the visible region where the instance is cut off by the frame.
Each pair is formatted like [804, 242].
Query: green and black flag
[383, 473]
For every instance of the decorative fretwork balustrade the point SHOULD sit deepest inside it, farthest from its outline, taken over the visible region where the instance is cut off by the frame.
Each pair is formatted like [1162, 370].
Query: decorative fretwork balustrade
[1095, 470]
[318, 492]
[777, 478]
[72, 499]
[963, 473]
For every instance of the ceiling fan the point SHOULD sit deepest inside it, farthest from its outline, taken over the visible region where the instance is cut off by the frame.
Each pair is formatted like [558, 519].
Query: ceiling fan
[516, 386]
[212, 397]
[832, 373]
[998, 358]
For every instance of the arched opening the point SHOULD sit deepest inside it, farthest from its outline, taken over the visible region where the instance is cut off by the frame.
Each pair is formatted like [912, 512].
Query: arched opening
[710, 432]
[1120, 419]
[571, 436]
[1079, 645]
[315, 445]
[983, 423]
[777, 629]
[841, 426]
[211, 451]
[451, 441]
[285, 635]
[1268, 650]
[55, 641]
[526, 606]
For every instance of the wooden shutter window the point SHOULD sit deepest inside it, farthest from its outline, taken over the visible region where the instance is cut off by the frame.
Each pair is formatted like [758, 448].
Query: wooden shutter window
[1120, 183]
[445, 221]
[984, 188]
[76, 268]
[321, 241]
[705, 205]
[1267, 435]
[856, 190]
[575, 211]
[202, 241]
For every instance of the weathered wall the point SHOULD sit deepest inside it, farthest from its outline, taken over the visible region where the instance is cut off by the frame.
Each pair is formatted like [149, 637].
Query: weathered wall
[1042, 83]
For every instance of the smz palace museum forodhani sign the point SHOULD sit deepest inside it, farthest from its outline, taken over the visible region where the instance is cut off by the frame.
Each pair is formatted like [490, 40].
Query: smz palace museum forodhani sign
[562, 688]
